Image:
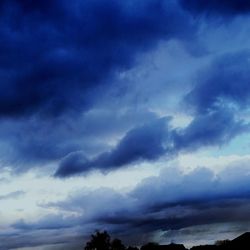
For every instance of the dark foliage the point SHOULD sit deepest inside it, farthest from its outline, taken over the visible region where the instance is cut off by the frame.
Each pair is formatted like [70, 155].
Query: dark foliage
[102, 241]
[150, 246]
[99, 241]
[132, 248]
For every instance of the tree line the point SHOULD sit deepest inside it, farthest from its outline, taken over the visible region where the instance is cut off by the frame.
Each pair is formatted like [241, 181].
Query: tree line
[102, 241]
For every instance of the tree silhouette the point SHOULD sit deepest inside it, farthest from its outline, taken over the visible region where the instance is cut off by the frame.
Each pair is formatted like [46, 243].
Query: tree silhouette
[102, 241]
[150, 246]
[99, 241]
[116, 244]
[132, 248]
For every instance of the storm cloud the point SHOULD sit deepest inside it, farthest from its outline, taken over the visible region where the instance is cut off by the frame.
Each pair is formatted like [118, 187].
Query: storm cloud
[158, 139]
[224, 83]
[147, 142]
[171, 201]
[224, 7]
[209, 130]
[218, 97]
[59, 57]
[53, 54]
[118, 95]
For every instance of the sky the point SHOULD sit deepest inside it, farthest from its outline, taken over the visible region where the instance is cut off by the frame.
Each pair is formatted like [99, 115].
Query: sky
[126, 116]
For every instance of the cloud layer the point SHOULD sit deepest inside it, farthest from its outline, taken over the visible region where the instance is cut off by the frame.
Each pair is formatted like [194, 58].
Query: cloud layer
[107, 86]
[54, 54]
[58, 58]
[171, 201]
[224, 7]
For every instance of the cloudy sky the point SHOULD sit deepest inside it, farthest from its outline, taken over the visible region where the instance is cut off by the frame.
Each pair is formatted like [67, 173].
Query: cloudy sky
[127, 116]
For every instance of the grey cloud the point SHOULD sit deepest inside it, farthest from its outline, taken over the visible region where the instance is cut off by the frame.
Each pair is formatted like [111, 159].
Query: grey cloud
[12, 195]
[172, 200]
[29, 143]
[147, 142]
[156, 139]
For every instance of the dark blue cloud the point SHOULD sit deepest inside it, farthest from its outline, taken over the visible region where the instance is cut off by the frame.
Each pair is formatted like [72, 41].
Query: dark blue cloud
[223, 7]
[217, 99]
[156, 139]
[27, 143]
[224, 83]
[214, 128]
[53, 53]
[221, 90]
[72, 164]
[148, 142]
[59, 56]
[24, 144]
